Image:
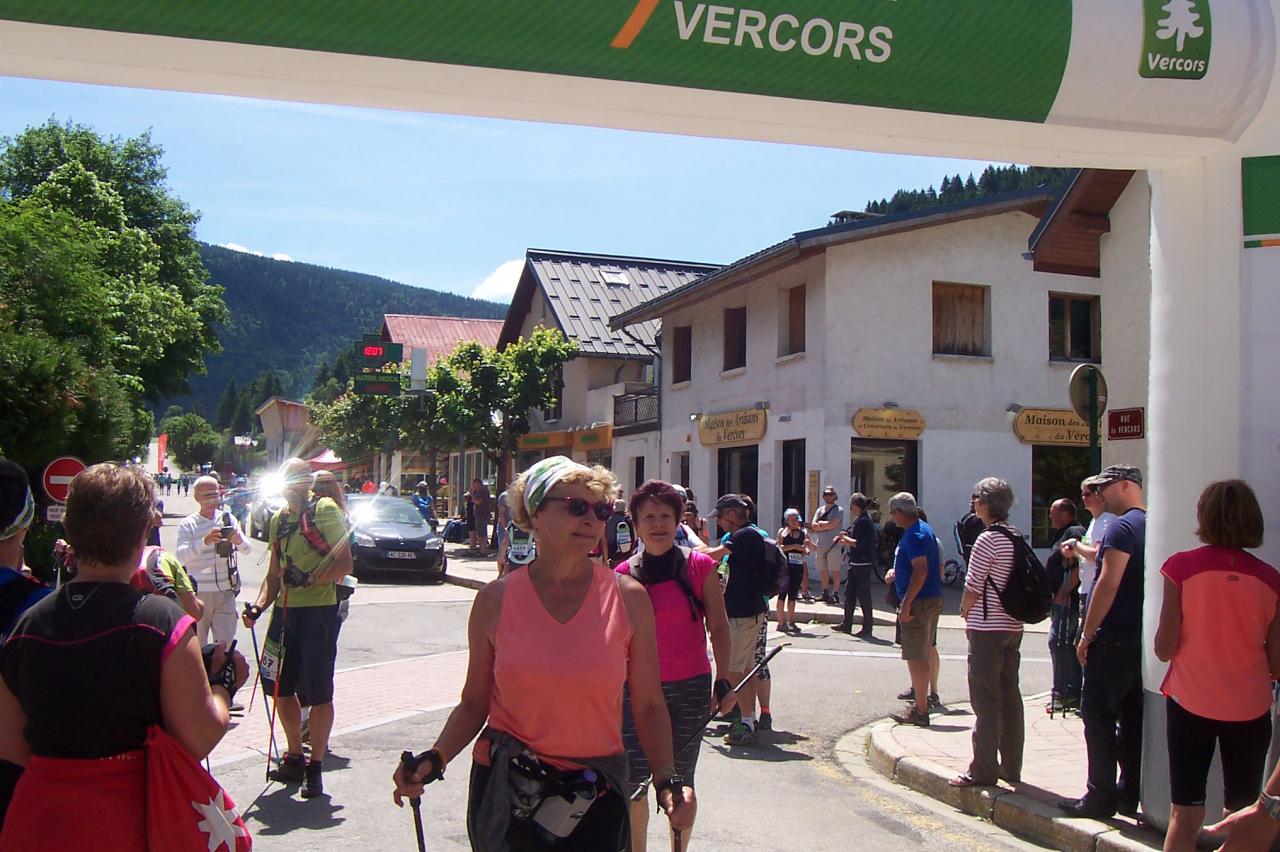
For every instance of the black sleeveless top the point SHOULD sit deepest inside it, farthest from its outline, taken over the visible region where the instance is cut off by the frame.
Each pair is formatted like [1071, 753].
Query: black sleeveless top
[792, 537]
[84, 663]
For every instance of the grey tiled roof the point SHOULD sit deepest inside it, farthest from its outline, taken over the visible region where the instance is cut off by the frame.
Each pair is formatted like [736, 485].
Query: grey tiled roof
[586, 290]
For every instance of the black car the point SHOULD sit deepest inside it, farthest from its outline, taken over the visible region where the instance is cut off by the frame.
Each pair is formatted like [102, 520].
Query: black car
[389, 534]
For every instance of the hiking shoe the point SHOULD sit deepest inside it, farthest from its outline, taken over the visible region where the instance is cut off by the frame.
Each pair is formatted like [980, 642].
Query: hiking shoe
[908, 695]
[741, 734]
[934, 701]
[766, 722]
[314, 784]
[290, 770]
[911, 716]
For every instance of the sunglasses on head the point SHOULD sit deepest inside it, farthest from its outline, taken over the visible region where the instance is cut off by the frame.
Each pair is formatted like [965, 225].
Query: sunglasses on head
[578, 507]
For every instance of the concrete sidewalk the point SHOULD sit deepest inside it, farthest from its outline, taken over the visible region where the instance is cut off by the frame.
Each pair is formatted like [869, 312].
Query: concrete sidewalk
[473, 571]
[1054, 768]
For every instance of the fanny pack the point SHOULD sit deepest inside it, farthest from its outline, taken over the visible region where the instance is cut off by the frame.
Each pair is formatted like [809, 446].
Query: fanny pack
[554, 800]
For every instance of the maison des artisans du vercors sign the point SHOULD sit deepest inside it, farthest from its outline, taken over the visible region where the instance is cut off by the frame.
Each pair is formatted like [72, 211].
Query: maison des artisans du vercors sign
[745, 426]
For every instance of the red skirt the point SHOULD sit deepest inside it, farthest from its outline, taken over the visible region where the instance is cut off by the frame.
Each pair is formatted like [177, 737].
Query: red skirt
[66, 805]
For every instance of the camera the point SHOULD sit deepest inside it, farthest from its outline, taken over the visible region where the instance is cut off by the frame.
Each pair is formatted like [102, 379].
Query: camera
[294, 577]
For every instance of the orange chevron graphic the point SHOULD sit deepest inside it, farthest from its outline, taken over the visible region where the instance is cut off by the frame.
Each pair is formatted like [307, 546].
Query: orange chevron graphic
[635, 23]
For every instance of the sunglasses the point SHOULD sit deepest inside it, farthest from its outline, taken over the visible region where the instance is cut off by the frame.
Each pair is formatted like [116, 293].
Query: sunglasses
[578, 507]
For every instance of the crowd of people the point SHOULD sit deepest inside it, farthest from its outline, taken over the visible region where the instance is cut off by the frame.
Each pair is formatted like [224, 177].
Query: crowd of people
[667, 613]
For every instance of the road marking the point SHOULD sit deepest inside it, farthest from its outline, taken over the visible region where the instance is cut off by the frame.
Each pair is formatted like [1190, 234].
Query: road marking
[885, 655]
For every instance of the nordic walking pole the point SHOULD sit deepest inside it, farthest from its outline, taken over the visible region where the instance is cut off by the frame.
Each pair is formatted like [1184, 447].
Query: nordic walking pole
[257, 675]
[697, 732]
[410, 764]
[275, 692]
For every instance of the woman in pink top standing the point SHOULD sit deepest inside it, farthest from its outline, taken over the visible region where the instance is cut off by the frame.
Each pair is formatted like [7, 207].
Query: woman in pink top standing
[551, 648]
[1220, 633]
[687, 604]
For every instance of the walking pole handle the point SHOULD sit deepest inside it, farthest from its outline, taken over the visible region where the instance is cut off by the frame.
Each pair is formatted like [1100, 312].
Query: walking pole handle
[410, 764]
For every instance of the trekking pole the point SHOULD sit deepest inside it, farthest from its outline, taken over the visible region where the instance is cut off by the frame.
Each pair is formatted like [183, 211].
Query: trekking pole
[410, 763]
[257, 675]
[697, 732]
[275, 692]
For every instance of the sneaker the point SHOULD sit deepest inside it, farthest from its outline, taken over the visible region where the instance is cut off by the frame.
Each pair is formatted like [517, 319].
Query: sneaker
[1086, 808]
[766, 722]
[840, 628]
[314, 784]
[835, 598]
[934, 701]
[864, 633]
[911, 716]
[908, 695]
[826, 596]
[290, 770]
[740, 735]
[805, 597]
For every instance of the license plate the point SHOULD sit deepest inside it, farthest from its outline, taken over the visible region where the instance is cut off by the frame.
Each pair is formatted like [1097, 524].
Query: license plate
[401, 554]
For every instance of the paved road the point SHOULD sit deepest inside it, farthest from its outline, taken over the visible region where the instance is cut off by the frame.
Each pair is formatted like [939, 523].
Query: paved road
[401, 664]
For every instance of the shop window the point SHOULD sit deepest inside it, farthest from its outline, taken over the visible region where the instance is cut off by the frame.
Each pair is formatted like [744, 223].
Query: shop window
[556, 410]
[735, 338]
[681, 354]
[791, 321]
[1074, 327]
[960, 319]
[1055, 473]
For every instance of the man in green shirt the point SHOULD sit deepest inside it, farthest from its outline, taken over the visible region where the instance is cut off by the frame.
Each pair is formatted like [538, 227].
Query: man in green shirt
[309, 556]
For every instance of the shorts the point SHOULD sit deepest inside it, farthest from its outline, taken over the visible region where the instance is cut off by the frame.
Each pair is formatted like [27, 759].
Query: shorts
[688, 702]
[795, 579]
[1243, 748]
[920, 634]
[309, 653]
[744, 634]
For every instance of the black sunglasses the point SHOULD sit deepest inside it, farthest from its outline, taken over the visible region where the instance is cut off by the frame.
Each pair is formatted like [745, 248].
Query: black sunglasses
[578, 507]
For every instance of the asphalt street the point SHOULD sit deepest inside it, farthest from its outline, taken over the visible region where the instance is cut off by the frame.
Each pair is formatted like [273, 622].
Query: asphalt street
[400, 669]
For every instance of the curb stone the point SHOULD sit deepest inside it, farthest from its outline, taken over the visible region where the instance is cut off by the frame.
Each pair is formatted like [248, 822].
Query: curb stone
[1021, 815]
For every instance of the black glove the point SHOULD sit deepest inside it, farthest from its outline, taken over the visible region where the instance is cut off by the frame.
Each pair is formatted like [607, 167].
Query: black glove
[224, 677]
[410, 762]
[254, 612]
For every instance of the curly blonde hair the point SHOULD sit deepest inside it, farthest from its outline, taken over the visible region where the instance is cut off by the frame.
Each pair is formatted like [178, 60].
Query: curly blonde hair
[599, 479]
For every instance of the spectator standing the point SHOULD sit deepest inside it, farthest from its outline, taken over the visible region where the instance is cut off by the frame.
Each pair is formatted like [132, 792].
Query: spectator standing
[480, 504]
[687, 606]
[199, 535]
[1063, 573]
[1220, 633]
[1087, 550]
[917, 579]
[795, 543]
[325, 484]
[995, 638]
[859, 541]
[968, 528]
[1110, 650]
[745, 605]
[695, 524]
[827, 522]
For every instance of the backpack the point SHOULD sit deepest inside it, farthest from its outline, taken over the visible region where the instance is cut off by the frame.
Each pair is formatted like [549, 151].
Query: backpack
[149, 579]
[1027, 596]
[774, 570]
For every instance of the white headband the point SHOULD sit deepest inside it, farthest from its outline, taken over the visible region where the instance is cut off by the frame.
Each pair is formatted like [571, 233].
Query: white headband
[23, 520]
[543, 476]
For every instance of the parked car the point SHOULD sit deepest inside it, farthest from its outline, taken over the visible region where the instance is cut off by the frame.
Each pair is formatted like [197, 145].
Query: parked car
[268, 498]
[389, 534]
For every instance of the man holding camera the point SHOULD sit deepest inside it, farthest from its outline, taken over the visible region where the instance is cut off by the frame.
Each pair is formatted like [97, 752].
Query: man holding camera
[309, 556]
[207, 545]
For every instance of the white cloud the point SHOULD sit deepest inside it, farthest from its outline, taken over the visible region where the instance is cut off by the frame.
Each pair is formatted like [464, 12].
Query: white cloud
[237, 247]
[500, 286]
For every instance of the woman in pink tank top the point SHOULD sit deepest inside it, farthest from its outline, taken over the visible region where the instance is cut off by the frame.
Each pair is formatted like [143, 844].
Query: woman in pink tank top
[1220, 632]
[684, 588]
[551, 648]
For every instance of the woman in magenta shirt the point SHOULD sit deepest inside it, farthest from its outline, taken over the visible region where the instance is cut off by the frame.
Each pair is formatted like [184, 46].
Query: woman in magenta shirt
[1220, 633]
[687, 604]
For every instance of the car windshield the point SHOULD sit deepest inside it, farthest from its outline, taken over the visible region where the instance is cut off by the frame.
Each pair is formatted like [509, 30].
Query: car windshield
[387, 510]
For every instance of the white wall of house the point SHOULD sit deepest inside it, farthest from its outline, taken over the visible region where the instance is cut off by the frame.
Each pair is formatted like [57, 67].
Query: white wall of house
[1126, 320]
[869, 341]
[626, 449]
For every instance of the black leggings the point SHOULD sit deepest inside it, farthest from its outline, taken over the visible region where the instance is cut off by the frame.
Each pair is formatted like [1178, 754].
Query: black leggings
[795, 579]
[603, 829]
[1243, 747]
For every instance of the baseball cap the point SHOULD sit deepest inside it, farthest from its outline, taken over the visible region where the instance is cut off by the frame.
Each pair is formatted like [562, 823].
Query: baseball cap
[791, 513]
[729, 501]
[1119, 473]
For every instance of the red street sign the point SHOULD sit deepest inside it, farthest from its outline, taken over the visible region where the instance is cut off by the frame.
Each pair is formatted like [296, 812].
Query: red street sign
[57, 477]
[1125, 424]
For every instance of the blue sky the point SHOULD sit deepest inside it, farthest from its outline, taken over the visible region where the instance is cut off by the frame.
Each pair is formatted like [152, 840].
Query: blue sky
[452, 202]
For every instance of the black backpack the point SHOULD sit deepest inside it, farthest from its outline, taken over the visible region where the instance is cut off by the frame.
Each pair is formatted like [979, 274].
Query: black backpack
[1027, 596]
[773, 573]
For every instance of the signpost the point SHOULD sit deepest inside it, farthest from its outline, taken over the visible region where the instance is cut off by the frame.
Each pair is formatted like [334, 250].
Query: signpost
[57, 477]
[1088, 393]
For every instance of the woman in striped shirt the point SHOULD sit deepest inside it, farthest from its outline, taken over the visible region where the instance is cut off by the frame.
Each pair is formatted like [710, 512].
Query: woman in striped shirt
[994, 641]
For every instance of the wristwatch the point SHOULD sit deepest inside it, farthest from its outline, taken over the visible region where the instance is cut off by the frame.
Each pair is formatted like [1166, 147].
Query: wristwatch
[1270, 804]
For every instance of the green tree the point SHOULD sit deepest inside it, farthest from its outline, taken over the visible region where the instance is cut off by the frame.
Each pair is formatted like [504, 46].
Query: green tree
[192, 441]
[163, 311]
[487, 395]
[244, 422]
[226, 410]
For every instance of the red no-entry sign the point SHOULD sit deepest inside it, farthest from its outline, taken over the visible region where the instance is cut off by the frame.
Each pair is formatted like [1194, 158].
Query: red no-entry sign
[58, 475]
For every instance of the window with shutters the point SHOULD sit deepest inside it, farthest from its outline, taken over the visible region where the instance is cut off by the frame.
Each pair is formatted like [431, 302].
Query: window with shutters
[735, 338]
[791, 321]
[961, 319]
[1074, 323]
[681, 354]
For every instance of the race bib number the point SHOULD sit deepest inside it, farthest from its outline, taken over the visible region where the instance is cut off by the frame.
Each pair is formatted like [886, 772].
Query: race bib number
[269, 668]
[795, 558]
